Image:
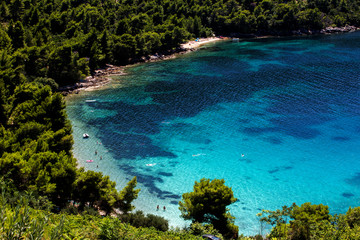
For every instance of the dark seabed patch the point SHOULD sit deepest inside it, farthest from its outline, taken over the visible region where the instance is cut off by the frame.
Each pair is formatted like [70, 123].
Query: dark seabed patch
[149, 181]
[274, 140]
[298, 113]
[197, 139]
[253, 53]
[273, 170]
[174, 202]
[354, 180]
[298, 127]
[165, 174]
[245, 159]
[173, 163]
[256, 114]
[174, 196]
[340, 139]
[287, 49]
[347, 195]
[244, 121]
[277, 169]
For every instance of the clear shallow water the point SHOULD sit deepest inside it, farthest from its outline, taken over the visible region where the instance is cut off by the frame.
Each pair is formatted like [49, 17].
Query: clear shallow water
[289, 105]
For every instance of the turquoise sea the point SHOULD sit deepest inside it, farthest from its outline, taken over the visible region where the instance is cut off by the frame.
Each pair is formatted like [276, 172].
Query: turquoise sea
[277, 118]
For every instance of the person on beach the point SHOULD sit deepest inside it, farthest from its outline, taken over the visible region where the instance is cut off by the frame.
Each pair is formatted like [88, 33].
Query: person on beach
[100, 157]
[157, 208]
[164, 208]
[95, 152]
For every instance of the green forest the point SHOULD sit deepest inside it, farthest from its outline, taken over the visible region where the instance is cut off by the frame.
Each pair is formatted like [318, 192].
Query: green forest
[47, 44]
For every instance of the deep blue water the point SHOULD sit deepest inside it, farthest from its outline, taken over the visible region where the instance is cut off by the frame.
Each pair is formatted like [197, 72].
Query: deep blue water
[277, 118]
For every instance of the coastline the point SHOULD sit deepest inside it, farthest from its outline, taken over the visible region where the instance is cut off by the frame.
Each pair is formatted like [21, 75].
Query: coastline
[103, 76]
[193, 45]
[90, 83]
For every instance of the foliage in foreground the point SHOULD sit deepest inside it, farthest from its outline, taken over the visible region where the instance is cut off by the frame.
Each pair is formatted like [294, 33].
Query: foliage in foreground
[138, 219]
[208, 204]
[24, 216]
[311, 221]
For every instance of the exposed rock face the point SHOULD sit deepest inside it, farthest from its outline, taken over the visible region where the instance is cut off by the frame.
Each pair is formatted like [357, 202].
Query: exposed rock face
[347, 28]
[99, 78]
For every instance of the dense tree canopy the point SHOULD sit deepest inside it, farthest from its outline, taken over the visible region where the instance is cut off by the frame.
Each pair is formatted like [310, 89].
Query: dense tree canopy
[208, 204]
[24, 215]
[312, 221]
[65, 40]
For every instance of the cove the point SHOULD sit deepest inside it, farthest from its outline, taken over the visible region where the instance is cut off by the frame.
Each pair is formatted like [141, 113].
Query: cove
[277, 118]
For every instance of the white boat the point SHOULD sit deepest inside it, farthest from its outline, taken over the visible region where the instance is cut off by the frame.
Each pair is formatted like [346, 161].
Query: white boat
[85, 135]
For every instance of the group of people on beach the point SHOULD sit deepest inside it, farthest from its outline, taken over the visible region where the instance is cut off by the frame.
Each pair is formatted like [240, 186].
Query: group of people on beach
[158, 208]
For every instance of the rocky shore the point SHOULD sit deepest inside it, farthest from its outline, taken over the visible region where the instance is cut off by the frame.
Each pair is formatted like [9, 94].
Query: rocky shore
[102, 76]
[330, 30]
[98, 79]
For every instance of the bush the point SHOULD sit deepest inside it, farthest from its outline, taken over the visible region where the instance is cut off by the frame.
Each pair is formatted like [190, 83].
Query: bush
[199, 229]
[138, 219]
[109, 230]
[353, 217]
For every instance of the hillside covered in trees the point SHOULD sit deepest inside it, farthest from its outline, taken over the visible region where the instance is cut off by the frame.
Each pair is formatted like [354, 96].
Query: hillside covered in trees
[62, 41]
[45, 44]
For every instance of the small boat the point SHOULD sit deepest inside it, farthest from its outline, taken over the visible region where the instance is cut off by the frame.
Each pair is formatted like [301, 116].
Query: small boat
[89, 161]
[151, 164]
[85, 135]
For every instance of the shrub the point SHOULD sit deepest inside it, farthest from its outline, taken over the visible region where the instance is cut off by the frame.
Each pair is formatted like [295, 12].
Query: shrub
[138, 219]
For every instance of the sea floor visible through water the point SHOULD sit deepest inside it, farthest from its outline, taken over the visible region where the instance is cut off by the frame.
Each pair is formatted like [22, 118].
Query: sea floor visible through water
[277, 119]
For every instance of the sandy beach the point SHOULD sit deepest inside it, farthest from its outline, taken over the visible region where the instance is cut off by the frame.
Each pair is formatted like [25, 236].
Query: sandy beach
[197, 43]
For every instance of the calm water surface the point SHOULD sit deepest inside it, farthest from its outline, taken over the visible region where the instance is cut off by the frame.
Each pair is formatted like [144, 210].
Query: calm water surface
[278, 119]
